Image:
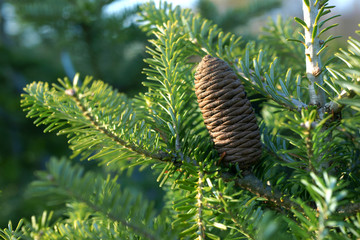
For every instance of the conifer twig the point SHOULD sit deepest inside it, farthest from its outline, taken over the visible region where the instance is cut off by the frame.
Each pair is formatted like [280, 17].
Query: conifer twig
[199, 197]
[161, 156]
[127, 224]
[334, 107]
[297, 103]
[251, 183]
[312, 52]
[254, 185]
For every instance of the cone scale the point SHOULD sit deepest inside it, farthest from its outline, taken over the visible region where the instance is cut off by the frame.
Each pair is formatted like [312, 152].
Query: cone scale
[227, 113]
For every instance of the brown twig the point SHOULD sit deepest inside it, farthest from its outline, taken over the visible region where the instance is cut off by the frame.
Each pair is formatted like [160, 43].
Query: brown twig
[254, 185]
[349, 209]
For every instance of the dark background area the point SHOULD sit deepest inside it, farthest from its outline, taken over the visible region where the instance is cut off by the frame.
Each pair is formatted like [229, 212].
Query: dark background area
[43, 40]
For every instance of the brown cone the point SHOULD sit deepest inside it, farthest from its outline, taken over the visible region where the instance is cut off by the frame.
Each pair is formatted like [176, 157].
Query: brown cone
[227, 112]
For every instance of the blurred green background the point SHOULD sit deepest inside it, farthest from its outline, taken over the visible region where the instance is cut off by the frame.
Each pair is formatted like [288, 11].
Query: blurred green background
[42, 40]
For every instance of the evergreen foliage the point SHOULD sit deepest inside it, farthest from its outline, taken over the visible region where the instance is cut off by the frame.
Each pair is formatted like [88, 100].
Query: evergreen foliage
[85, 38]
[45, 39]
[306, 185]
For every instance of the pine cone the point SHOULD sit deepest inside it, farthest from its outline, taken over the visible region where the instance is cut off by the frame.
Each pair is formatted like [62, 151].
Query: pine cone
[227, 112]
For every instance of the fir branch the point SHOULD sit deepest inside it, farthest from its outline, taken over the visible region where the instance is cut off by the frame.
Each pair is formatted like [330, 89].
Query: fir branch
[192, 205]
[334, 106]
[282, 40]
[251, 183]
[254, 185]
[137, 229]
[90, 229]
[11, 234]
[64, 182]
[345, 77]
[199, 204]
[295, 102]
[312, 13]
[102, 128]
[202, 35]
[240, 227]
[226, 209]
[97, 120]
